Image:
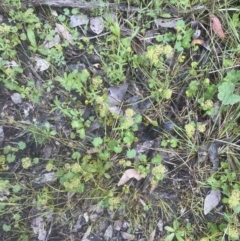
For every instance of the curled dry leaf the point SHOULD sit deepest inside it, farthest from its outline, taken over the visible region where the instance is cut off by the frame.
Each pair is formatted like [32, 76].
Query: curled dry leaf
[198, 41]
[127, 175]
[216, 26]
[202, 43]
[64, 32]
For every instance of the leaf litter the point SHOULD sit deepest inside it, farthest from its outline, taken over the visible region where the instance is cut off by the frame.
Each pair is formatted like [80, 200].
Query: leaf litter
[211, 201]
[129, 174]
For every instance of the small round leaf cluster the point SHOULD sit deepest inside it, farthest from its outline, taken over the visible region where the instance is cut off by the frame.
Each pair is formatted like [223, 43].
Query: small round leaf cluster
[129, 113]
[158, 174]
[156, 51]
[4, 29]
[102, 106]
[125, 163]
[3, 166]
[114, 202]
[3, 184]
[190, 129]
[159, 171]
[72, 184]
[206, 105]
[201, 128]
[76, 168]
[26, 162]
[42, 198]
[96, 82]
[129, 119]
[233, 233]
[168, 94]
[234, 199]
[50, 167]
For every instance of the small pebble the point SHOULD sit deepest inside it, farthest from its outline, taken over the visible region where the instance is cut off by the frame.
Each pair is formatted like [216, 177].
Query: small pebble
[117, 225]
[16, 98]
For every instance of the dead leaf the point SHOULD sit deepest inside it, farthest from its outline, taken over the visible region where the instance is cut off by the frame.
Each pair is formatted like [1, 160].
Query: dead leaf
[202, 43]
[41, 64]
[152, 235]
[127, 236]
[96, 25]
[117, 94]
[216, 107]
[166, 23]
[97, 66]
[38, 225]
[10, 64]
[49, 44]
[198, 41]
[78, 225]
[108, 233]
[216, 26]
[137, 46]
[87, 233]
[46, 178]
[118, 225]
[127, 175]
[160, 225]
[4, 194]
[197, 34]
[1, 134]
[77, 20]
[64, 32]
[211, 201]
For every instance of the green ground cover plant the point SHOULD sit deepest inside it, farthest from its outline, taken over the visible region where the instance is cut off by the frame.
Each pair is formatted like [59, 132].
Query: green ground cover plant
[120, 116]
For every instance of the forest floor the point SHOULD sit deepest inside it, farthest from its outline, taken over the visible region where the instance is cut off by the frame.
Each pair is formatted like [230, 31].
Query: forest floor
[119, 120]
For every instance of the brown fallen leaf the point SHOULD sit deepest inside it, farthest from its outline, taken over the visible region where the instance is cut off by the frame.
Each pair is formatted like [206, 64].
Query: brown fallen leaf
[198, 41]
[216, 26]
[202, 43]
[127, 175]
